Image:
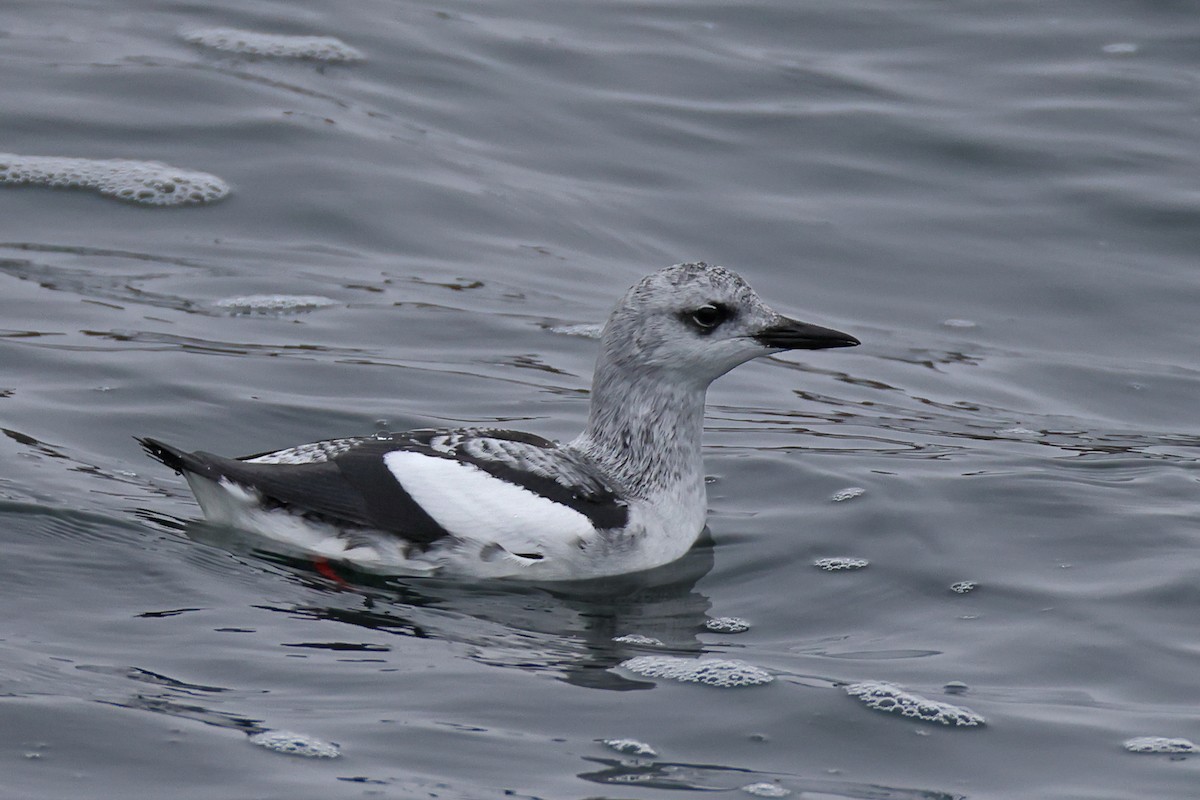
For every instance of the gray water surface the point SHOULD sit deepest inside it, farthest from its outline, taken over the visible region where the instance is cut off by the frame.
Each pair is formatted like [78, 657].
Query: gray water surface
[1002, 200]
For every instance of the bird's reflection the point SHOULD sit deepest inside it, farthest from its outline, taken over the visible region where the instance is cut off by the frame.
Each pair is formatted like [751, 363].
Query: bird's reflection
[578, 630]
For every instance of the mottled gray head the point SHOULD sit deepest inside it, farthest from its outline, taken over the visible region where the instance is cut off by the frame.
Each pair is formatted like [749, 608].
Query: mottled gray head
[696, 321]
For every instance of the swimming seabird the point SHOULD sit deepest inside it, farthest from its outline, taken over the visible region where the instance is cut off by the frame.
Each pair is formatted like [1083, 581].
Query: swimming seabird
[626, 495]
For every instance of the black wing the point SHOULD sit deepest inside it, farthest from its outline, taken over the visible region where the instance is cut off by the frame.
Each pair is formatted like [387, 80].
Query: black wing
[346, 481]
[354, 488]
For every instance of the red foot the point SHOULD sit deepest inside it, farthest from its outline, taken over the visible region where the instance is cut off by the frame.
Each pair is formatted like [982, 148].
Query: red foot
[322, 565]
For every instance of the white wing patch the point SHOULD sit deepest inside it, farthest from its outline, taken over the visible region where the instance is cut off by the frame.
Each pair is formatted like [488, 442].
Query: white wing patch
[471, 504]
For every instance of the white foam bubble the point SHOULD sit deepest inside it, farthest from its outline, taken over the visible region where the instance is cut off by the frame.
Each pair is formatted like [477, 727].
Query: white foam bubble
[586, 331]
[958, 323]
[274, 303]
[891, 698]
[148, 182]
[765, 789]
[1019, 432]
[630, 747]
[637, 638]
[849, 493]
[840, 563]
[1120, 48]
[251, 43]
[727, 625]
[296, 744]
[962, 587]
[1160, 745]
[726, 673]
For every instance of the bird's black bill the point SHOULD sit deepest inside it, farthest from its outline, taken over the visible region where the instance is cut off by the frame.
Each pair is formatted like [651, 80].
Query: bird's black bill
[791, 334]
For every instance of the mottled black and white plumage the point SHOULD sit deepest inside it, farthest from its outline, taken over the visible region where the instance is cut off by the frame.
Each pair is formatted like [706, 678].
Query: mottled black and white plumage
[627, 494]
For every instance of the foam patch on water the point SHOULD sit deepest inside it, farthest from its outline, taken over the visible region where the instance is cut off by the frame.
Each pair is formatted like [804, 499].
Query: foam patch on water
[840, 563]
[1160, 745]
[1019, 432]
[764, 789]
[274, 303]
[727, 625]
[586, 331]
[849, 493]
[1120, 48]
[637, 638]
[891, 698]
[250, 43]
[631, 747]
[296, 744]
[726, 673]
[148, 182]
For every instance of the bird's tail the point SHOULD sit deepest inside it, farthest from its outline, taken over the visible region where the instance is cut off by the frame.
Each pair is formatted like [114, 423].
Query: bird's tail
[173, 457]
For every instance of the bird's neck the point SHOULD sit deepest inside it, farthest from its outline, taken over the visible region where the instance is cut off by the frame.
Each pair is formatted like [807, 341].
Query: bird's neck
[645, 431]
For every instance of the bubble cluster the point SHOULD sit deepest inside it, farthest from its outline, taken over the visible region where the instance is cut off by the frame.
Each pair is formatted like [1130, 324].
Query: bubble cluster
[250, 43]
[296, 744]
[726, 673]
[727, 625]
[765, 789]
[274, 303]
[630, 747]
[637, 638]
[839, 563]
[583, 330]
[1120, 48]
[962, 587]
[849, 493]
[148, 182]
[891, 698]
[1160, 745]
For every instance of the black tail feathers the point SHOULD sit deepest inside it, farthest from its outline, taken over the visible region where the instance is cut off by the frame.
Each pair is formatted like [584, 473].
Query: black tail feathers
[173, 457]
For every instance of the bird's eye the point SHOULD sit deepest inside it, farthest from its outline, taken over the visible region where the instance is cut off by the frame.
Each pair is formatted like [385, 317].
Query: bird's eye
[709, 316]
